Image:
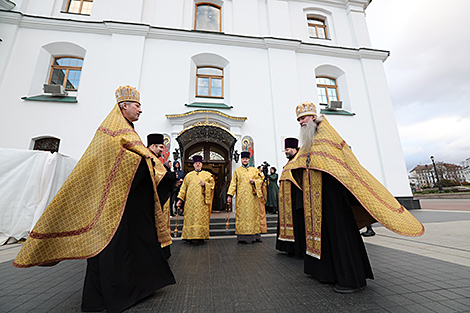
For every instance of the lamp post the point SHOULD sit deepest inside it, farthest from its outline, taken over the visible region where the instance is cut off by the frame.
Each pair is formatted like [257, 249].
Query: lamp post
[176, 154]
[236, 156]
[437, 176]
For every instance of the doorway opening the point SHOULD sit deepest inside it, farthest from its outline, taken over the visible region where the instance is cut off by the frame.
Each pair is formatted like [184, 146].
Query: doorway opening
[215, 145]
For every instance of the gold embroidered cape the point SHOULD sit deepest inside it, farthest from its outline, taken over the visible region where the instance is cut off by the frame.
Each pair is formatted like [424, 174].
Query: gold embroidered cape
[262, 204]
[85, 213]
[250, 199]
[160, 172]
[330, 154]
[197, 204]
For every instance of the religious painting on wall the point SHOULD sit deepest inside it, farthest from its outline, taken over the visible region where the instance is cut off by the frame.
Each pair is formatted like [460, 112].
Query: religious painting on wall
[166, 150]
[248, 145]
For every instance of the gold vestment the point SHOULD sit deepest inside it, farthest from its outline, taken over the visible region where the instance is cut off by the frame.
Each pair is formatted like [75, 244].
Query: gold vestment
[330, 154]
[197, 204]
[250, 199]
[85, 213]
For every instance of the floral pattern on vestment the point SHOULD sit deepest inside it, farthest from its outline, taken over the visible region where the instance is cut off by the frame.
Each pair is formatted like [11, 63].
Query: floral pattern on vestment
[85, 213]
[331, 154]
[197, 204]
[249, 200]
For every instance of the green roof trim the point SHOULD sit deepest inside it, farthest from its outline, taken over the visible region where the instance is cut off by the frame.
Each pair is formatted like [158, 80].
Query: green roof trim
[68, 99]
[336, 112]
[208, 105]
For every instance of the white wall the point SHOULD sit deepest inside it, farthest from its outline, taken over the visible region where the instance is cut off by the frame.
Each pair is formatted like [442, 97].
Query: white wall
[265, 78]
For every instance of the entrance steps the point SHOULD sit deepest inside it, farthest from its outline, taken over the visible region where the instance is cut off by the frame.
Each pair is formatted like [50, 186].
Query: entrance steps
[217, 226]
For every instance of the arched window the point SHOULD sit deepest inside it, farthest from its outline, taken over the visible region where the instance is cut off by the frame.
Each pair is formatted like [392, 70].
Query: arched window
[216, 154]
[47, 144]
[194, 153]
[317, 28]
[79, 6]
[210, 82]
[327, 90]
[208, 17]
[66, 71]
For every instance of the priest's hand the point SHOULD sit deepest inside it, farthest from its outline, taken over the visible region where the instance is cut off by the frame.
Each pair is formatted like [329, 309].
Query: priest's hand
[252, 181]
[229, 199]
[179, 203]
[178, 183]
[203, 183]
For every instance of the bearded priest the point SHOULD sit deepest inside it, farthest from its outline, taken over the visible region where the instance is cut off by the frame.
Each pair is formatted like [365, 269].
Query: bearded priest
[339, 198]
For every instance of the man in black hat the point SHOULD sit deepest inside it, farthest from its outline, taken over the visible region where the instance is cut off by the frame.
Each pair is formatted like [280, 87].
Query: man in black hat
[250, 217]
[165, 179]
[196, 193]
[291, 147]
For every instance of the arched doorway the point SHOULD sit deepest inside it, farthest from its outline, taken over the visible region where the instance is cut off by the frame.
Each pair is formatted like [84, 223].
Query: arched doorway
[215, 144]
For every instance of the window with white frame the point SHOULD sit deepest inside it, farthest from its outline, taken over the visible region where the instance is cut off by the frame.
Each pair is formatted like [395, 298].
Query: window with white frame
[327, 90]
[79, 6]
[210, 82]
[317, 27]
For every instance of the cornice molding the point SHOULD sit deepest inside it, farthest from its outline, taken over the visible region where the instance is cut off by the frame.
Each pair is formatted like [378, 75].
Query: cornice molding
[281, 43]
[151, 32]
[337, 3]
[8, 18]
[205, 37]
[202, 113]
[367, 53]
[127, 29]
[65, 25]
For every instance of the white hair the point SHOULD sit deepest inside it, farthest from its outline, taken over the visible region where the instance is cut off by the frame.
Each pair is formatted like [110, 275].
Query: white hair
[308, 132]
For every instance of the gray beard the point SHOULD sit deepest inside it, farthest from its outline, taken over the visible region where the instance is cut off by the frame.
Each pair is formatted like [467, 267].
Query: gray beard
[307, 134]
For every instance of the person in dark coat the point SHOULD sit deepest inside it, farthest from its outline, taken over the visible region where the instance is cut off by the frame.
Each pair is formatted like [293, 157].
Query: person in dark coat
[180, 177]
[273, 191]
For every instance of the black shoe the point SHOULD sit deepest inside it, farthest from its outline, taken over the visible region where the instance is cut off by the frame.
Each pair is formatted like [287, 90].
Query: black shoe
[337, 288]
[368, 233]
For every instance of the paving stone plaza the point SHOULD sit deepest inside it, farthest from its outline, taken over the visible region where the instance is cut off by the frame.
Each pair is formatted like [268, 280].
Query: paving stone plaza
[430, 273]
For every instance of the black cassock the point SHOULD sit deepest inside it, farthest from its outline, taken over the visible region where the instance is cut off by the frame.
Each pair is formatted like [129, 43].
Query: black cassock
[344, 258]
[133, 264]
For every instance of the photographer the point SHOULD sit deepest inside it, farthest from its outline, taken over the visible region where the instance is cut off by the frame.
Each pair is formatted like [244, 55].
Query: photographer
[273, 192]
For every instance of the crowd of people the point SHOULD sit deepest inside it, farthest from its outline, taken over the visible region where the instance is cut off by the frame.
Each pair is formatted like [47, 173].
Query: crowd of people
[114, 209]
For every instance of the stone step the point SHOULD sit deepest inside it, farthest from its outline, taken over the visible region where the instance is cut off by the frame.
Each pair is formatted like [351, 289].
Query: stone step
[222, 232]
[218, 220]
[217, 226]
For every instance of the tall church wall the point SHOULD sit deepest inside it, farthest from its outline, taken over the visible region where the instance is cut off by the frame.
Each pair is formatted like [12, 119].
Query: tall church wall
[270, 67]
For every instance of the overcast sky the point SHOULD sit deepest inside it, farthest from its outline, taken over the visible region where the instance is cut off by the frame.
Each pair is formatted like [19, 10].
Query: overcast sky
[428, 74]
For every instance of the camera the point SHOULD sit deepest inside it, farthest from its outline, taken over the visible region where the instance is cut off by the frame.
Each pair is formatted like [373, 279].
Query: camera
[265, 167]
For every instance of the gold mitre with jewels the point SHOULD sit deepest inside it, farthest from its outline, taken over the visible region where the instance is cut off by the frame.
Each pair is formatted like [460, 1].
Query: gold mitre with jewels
[305, 108]
[127, 93]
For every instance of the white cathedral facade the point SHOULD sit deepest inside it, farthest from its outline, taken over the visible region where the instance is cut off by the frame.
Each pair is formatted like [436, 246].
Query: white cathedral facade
[216, 76]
